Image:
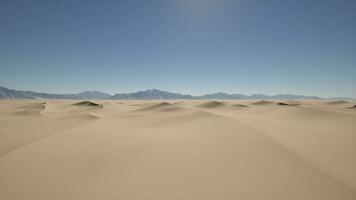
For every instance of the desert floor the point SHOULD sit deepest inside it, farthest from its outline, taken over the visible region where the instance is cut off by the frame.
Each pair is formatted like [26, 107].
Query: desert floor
[177, 149]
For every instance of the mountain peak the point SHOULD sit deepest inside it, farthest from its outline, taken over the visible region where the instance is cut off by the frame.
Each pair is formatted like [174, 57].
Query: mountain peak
[146, 94]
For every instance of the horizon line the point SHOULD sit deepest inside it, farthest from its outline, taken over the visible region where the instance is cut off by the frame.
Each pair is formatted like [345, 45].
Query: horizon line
[248, 95]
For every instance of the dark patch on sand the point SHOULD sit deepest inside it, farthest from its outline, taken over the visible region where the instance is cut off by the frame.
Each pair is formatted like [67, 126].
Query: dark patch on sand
[88, 104]
[212, 104]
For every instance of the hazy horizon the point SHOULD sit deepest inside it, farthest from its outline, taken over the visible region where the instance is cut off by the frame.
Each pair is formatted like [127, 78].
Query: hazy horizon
[186, 46]
[182, 93]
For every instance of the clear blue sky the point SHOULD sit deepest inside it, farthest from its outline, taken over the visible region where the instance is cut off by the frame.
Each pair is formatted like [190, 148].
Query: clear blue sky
[188, 46]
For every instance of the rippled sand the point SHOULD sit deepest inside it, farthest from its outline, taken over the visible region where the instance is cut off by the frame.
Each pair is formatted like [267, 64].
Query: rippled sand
[178, 149]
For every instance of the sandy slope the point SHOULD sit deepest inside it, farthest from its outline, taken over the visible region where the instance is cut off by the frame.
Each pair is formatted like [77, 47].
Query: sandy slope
[177, 150]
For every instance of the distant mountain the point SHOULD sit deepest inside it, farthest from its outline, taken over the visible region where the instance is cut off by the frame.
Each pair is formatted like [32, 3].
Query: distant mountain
[152, 94]
[258, 96]
[94, 95]
[222, 95]
[340, 98]
[6, 93]
[292, 96]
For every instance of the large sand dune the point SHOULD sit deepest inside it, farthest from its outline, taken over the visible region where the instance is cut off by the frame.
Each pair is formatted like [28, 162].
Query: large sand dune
[166, 150]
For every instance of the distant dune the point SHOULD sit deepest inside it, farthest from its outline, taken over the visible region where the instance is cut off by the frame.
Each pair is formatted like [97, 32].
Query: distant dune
[240, 105]
[353, 107]
[263, 102]
[87, 103]
[211, 104]
[29, 109]
[162, 107]
[337, 102]
[158, 105]
[289, 103]
[186, 149]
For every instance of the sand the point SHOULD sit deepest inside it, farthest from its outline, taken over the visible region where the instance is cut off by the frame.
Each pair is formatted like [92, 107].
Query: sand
[177, 149]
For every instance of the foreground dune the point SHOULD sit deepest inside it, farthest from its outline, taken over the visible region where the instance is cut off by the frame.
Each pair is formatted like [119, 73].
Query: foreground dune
[181, 149]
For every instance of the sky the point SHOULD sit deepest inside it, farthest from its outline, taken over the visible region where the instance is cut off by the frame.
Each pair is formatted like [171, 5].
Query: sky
[189, 46]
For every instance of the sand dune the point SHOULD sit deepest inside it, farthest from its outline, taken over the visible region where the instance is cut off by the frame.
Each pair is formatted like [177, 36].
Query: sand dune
[337, 102]
[30, 109]
[289, 103]
[87, 103]
[263, 102]
[158, 106]
[240, 105]
[177, 150]
[353, 107]
[211, 104]
[162, 107]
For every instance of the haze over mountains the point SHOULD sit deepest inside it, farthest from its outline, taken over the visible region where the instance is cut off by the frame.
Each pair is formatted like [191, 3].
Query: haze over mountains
[6, 93]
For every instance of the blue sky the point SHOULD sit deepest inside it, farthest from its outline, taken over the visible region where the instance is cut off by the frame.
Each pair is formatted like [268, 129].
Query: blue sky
[187, 46]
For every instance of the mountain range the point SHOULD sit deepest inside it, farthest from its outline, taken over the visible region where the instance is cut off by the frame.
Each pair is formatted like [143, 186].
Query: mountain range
[6, 93]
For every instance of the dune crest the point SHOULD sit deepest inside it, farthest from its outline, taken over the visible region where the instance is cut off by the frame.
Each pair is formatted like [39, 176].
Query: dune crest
[157, 106]
[163, 107]
[211, 104]
[352, 107]
[337, 102]
[289, 103]
[240, 105]
[31, 109]
[263, 102]
[86, 116]
[88, 104]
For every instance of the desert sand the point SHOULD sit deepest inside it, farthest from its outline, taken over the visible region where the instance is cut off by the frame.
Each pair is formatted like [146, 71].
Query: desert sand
[177, 149]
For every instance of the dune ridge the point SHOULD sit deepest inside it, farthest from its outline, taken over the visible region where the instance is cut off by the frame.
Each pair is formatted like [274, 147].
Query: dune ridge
[212, 104]
[289, 103]
[352, 107]
[240, 105]
[160, 107]
[87, 104]
[31, 109]
[337, 102]
[263, 102]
